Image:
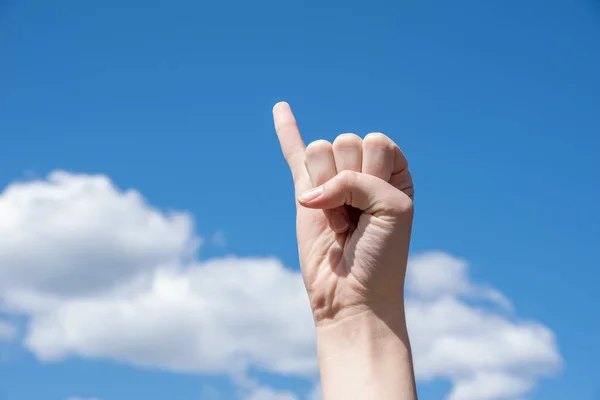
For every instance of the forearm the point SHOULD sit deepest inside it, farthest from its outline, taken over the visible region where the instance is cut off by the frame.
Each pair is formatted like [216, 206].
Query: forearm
[366, 356]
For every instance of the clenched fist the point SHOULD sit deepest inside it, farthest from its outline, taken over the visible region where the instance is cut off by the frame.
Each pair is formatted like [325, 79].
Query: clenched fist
[354, 217]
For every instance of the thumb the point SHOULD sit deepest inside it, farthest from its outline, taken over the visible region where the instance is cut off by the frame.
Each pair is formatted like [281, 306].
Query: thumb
[366, 192]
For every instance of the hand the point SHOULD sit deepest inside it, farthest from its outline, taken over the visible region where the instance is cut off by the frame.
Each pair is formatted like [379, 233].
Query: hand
[354, 218]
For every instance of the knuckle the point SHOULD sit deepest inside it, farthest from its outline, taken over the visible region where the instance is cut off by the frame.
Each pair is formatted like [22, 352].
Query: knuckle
[378, 139]
[347, 181]
[346, 140]
[348, 178]
[317, 147]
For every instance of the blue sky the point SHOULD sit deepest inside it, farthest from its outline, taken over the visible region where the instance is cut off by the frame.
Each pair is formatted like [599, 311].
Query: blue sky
[494, 103]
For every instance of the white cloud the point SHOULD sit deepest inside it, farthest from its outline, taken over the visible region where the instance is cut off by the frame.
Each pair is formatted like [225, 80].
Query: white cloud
[7, 331]
[489, 385]
[219, 316]
[78, 233]
[101, 274]
[435, 275]
[486, 354]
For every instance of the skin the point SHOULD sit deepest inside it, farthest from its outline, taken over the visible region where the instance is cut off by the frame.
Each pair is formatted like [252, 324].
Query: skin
[354, 219]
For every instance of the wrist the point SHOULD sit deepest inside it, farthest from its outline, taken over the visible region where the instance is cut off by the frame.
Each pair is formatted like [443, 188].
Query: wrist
[365, 330]
[371, 351]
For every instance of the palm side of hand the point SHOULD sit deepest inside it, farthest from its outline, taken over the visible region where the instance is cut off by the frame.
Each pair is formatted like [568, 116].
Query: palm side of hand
[349, 258]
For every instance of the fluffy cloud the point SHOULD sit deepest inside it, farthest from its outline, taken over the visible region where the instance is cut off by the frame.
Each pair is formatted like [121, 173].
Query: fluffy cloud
[75, 234]
[486, 354]
[101, 274]
[219, 316]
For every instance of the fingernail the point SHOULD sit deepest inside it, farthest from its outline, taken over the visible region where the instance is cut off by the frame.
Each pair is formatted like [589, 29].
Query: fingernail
[311, 194]
[339, 222]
